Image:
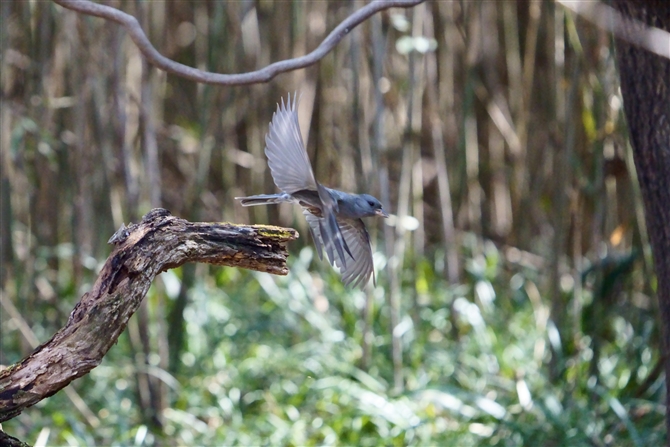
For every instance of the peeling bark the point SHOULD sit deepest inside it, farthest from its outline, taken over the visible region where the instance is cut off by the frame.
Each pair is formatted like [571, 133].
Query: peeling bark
[10, 441]
[142, 251]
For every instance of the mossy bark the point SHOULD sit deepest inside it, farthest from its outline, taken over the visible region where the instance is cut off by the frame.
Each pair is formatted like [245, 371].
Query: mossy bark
[142, 251]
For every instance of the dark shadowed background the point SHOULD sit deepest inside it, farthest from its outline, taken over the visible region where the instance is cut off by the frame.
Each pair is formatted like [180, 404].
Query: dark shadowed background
[515, 299]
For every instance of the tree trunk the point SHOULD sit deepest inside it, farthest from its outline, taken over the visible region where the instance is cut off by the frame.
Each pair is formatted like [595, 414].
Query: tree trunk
[645, 84]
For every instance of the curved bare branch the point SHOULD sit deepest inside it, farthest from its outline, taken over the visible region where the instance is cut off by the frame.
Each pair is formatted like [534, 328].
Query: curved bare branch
[264, 74]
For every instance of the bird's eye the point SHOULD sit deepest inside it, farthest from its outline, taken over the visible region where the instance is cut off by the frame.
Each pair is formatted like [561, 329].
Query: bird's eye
[372, 204]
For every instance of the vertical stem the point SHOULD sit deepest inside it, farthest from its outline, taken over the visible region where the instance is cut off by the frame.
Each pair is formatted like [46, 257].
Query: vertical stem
[474, 195]
[360, 123]
[152, 167]
[512, 55]
[521, 175]
[560, 211]
[394, 265]
[445, 122]
[120, 100]
[417, 86]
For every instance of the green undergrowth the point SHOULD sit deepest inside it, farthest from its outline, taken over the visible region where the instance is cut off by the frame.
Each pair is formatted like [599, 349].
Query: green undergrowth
[280, 361]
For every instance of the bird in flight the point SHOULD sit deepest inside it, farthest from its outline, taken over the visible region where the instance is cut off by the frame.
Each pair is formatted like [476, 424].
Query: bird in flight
[334, 217]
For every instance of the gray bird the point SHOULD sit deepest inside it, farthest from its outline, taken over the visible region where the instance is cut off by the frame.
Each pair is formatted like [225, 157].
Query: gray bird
[334, 217]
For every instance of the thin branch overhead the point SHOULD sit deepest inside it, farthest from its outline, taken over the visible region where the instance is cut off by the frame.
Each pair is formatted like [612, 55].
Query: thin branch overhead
[265, 74]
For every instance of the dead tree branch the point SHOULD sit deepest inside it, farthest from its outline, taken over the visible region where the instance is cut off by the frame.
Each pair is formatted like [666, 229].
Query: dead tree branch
[265, 74]
[10, 441]
[158, 243]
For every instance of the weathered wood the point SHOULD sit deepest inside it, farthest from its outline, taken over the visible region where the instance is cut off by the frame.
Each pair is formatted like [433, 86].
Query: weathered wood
[645, 85]
[10, 441]
[142, 251]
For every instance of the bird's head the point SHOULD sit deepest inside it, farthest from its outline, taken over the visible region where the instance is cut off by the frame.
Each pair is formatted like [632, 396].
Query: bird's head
[369, 206]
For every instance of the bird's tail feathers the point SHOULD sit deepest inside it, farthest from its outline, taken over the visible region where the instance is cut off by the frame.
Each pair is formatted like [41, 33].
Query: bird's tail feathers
[263, 199]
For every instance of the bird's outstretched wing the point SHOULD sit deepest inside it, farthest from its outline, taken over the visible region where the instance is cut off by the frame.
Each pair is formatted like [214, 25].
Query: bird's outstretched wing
[358, 269]
[286, 152]
[331, 234]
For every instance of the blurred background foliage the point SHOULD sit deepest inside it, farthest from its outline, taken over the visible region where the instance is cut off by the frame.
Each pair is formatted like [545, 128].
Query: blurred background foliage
[515, 301]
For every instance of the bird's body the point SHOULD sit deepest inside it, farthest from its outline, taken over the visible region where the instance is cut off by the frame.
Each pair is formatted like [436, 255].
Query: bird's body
[334, 217]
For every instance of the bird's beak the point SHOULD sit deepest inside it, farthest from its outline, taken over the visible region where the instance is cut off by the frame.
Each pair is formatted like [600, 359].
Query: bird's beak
[381, 212]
